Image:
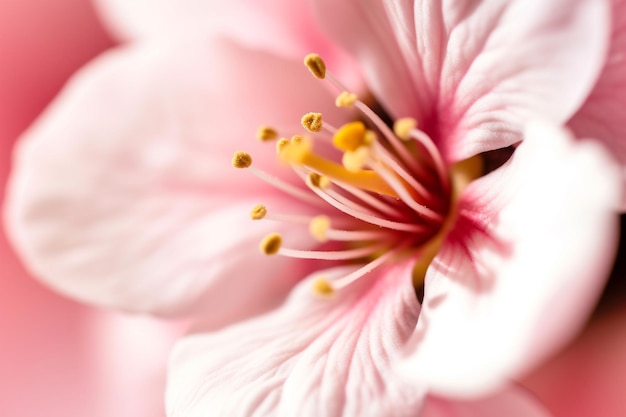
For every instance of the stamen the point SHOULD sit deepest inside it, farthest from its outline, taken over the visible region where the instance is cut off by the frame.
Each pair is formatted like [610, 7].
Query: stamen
[386, 183]
[400, 149]
[402, 127]
[339, 255]
[350, 136]
[242, 160]
[258, 212]
[316, 65]
[355, 235]
[399, 188]
[318, 180]
[355, 161]
[322, 287]
[348, 202]
[432, 150]
[281, 144]
[399, 170]
[266, 133]
[312, 122]
[393, 140]
[365, 269]
[370, 200]
[368, 218]
[346, 99]
[319, 227]
[270, 245]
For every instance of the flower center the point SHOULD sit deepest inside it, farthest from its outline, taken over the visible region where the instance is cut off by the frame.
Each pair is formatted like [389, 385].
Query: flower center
[383, 193]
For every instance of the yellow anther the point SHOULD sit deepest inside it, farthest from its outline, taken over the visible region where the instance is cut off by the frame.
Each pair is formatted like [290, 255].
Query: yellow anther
[241, 160]
[350, 136]
[346, 99]
[355, 161]
[402, 127]
[312, 122]
[281, 144]
[258, 212]
[318, 227]
[265, 133]
[316, 65]
[322, 287]
[297, 138]
[270, 245]
[319, 181]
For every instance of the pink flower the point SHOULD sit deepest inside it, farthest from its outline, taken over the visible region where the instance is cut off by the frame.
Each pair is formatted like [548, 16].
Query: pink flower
[123, 195]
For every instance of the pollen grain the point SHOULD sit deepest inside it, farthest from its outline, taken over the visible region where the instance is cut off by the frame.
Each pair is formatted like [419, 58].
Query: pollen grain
[316, 65]
[242, 160]
[270, 245]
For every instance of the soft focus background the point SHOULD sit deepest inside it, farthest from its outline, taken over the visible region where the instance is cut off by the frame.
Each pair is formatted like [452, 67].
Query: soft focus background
[61, 359]
[58, 358]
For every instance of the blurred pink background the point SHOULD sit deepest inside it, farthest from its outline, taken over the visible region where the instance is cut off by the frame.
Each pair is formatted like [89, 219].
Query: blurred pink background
[58, 358]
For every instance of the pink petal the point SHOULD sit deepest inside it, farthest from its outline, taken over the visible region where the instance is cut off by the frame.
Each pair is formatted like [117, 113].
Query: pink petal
[603, 114]
[283, 27]
[311, 357]
[50, 362]
[510, 402]
[473, 73]
[123, 193]
[522, 268]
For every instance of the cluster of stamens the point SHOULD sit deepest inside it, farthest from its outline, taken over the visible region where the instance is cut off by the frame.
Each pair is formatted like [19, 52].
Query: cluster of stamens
[383, 191]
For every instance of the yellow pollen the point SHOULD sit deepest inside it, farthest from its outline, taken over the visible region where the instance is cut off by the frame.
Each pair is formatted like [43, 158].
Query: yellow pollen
[301, 154]
[350, 136]
[346, 99]
[281, 144]
[270, 245]
[322, 287]
[318, 228]
[318, 180]
[241, 160]
[316, 65]
[312, 122]
[265, 133]
[402, 127]
[258, 212]
[355, 161]
[297, 138]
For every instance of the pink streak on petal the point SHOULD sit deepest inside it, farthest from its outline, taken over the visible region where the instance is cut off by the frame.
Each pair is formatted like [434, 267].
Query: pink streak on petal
[123, 192]
[603, 114]
[511, 401]
[363, 29]
[311, 357]
[474, 72]
[504, 296]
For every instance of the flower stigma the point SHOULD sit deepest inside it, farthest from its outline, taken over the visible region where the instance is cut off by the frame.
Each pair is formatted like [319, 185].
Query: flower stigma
[383, 193]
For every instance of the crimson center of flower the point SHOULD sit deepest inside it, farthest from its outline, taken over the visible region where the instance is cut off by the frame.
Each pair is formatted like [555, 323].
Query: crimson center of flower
[384, 192]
